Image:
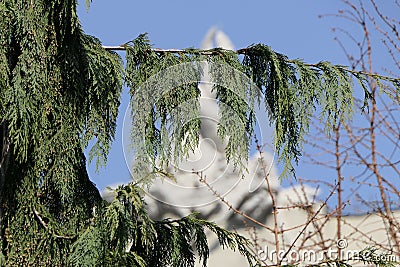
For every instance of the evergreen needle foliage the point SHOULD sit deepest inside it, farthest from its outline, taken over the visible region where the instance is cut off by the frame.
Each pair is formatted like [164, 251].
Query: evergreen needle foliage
[124, 235]
[60, 91]
[165, 126]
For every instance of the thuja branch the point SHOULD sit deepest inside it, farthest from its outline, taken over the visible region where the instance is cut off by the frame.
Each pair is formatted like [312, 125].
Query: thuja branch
[244, 51]
[292, 91]
[45, 226]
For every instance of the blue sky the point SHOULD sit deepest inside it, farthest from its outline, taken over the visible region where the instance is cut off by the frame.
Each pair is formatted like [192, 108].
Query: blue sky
[291, 27]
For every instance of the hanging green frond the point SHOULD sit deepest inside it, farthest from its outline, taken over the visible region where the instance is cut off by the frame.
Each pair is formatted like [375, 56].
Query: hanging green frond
[236, 98]
[59, 89]
[292, 90]
[277, 79]
[124, 235]
[87, 4]
[105, 85]
[165, 106]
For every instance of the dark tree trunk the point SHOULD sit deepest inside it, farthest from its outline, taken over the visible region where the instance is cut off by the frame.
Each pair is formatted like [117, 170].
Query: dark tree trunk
[4, 159]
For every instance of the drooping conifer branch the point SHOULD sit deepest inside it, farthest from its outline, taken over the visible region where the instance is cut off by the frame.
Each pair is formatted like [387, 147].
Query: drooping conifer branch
[60, 91]
[59, 94]
[243, 51]
[291, 89]
[44, 224]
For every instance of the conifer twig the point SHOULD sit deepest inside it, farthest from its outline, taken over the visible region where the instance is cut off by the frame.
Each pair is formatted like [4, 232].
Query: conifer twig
[45, 226]
[243, 51]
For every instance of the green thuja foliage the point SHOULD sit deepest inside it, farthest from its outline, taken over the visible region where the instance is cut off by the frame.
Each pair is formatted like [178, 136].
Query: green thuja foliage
[59, 89]
[59, 94]
[165, 104]
[236, 105]
[291, 90]
[122, 234]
